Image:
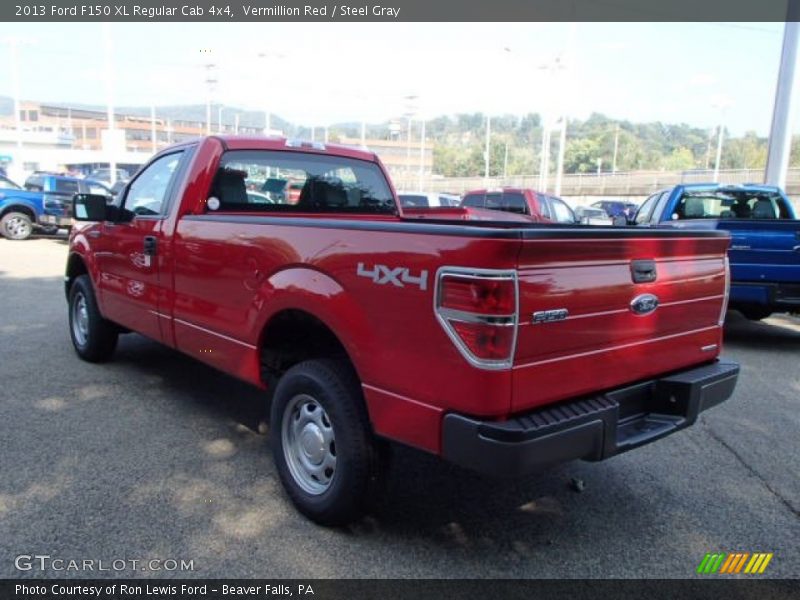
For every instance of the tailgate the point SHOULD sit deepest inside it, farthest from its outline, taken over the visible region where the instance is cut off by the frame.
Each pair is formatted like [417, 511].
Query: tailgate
[764, 251]
[612, 307]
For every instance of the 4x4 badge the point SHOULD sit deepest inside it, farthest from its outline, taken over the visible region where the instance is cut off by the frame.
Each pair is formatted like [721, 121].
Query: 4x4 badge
[644, 304]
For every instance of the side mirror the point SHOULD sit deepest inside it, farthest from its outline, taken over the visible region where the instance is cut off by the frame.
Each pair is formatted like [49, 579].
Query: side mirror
[619, 221]
[89, 207]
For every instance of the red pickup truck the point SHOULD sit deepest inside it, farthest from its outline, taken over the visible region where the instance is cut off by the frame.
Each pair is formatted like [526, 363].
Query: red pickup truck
[502, 346]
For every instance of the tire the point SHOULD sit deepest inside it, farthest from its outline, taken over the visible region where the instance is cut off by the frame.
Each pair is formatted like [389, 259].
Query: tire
[16, 226]
[327, 457]
[93, 337]
[755, 313]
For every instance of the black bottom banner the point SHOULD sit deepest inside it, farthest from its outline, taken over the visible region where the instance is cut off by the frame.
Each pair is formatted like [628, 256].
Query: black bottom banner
[385, 589]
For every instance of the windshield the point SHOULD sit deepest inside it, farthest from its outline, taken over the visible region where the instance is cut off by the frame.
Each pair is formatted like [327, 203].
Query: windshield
[731, 204]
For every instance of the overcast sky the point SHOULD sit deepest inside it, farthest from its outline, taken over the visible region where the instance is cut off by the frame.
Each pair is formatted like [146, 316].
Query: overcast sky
[320, 73]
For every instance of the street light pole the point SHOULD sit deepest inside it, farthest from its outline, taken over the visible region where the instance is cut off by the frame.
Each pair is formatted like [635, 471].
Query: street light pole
[780, 136]
[422, 157]
[219, 119]
[616, 147]
[112, 162]
[719, 154]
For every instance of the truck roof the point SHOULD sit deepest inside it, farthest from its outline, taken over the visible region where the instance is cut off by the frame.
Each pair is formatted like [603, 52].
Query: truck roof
[759, 187]
[260, 142]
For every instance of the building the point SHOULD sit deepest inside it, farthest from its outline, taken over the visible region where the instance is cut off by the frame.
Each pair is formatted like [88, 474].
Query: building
[59, 137]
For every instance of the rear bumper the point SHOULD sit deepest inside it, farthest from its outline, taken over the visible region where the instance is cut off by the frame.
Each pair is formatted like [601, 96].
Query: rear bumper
[765, 294]
[591, 429]
[56, 220]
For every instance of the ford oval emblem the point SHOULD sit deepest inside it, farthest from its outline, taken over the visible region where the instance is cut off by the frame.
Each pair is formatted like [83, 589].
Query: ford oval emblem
[644, 304]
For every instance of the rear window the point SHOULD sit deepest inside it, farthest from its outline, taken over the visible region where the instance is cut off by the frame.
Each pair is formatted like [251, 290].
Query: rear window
[66, 186]
[268, 181]
[513, 202]
[34, 183]
[731, 204]
[414, 200]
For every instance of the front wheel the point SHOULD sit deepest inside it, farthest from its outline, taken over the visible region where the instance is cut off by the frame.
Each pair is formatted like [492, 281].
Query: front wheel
[326, 455]
[93, 337]
[16, 226]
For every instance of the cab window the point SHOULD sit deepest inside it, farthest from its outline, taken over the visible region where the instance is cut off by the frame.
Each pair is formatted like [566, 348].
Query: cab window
[268, 180]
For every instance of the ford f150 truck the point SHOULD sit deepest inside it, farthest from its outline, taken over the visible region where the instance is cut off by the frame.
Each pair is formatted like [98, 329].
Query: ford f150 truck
[45, 203]
[535, 206]
[765, 247]
[503, 346]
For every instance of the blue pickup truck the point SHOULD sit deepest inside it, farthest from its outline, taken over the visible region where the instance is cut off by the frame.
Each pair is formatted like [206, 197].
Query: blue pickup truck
[44, 203]
[765, 247]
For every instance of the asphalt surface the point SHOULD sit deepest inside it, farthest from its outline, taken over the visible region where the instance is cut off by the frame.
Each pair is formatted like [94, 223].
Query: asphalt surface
[155, 456]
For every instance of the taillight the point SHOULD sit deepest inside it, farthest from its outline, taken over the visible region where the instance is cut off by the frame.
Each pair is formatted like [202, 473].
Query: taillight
[478, 310]
[727, 291]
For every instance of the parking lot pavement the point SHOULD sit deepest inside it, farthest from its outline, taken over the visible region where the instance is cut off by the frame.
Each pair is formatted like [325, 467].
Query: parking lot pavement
[155, 456]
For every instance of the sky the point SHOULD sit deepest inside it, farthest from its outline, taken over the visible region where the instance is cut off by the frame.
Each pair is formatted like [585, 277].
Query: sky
[702, 74]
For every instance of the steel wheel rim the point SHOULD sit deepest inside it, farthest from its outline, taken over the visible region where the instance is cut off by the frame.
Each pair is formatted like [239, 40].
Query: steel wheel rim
[17, 227]
[309, 444]
[80, 319]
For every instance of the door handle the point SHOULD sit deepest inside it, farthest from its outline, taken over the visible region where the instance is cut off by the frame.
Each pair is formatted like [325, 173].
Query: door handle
[643, 271]
[150, 245]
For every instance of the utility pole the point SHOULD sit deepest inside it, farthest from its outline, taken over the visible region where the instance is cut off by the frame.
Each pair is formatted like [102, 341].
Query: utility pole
[505, 162]
[153, 127]
[562, 142]
[112, 152]
[13, 45]
[616, 147]
[236, 124]
[544, 162]
[487, 150]
[780, 136]
[210, 83]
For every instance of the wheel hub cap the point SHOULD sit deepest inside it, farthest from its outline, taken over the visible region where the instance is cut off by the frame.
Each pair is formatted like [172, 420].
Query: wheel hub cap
[309, 445]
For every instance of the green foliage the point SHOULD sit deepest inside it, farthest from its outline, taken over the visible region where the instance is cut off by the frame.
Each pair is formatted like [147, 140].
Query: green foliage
[459, 145]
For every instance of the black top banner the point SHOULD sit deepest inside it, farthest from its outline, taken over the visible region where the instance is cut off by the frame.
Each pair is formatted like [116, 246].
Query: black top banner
[402, 10]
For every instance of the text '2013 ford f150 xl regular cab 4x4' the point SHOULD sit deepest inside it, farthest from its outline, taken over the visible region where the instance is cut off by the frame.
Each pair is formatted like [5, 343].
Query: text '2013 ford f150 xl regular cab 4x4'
[502, 346]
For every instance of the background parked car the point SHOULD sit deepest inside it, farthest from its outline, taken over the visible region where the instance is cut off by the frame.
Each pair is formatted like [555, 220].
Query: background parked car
[104, 175]
[427, 199]
[616, 208]
[45, 203]
[591, 215]
[535, 205]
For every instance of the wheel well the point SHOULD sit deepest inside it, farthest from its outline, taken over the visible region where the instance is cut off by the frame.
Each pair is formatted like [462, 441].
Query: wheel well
[21, 209]
[75, 268]
[293, 336]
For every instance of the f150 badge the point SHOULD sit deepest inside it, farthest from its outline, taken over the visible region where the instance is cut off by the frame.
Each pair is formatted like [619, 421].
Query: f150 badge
[397, 276]
[644, 304]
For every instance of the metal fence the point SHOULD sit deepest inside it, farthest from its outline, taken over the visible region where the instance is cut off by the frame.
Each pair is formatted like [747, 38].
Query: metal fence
[632, 183]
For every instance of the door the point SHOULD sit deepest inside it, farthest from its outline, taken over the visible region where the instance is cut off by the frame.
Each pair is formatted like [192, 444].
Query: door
[130, 282]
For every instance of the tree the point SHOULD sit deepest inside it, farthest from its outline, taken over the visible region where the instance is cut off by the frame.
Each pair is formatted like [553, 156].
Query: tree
[681, 159]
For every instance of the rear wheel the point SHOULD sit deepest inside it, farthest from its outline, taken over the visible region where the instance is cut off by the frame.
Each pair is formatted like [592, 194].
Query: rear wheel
[326, 455]
[755, 313]
[93, 337]
[16, 226]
